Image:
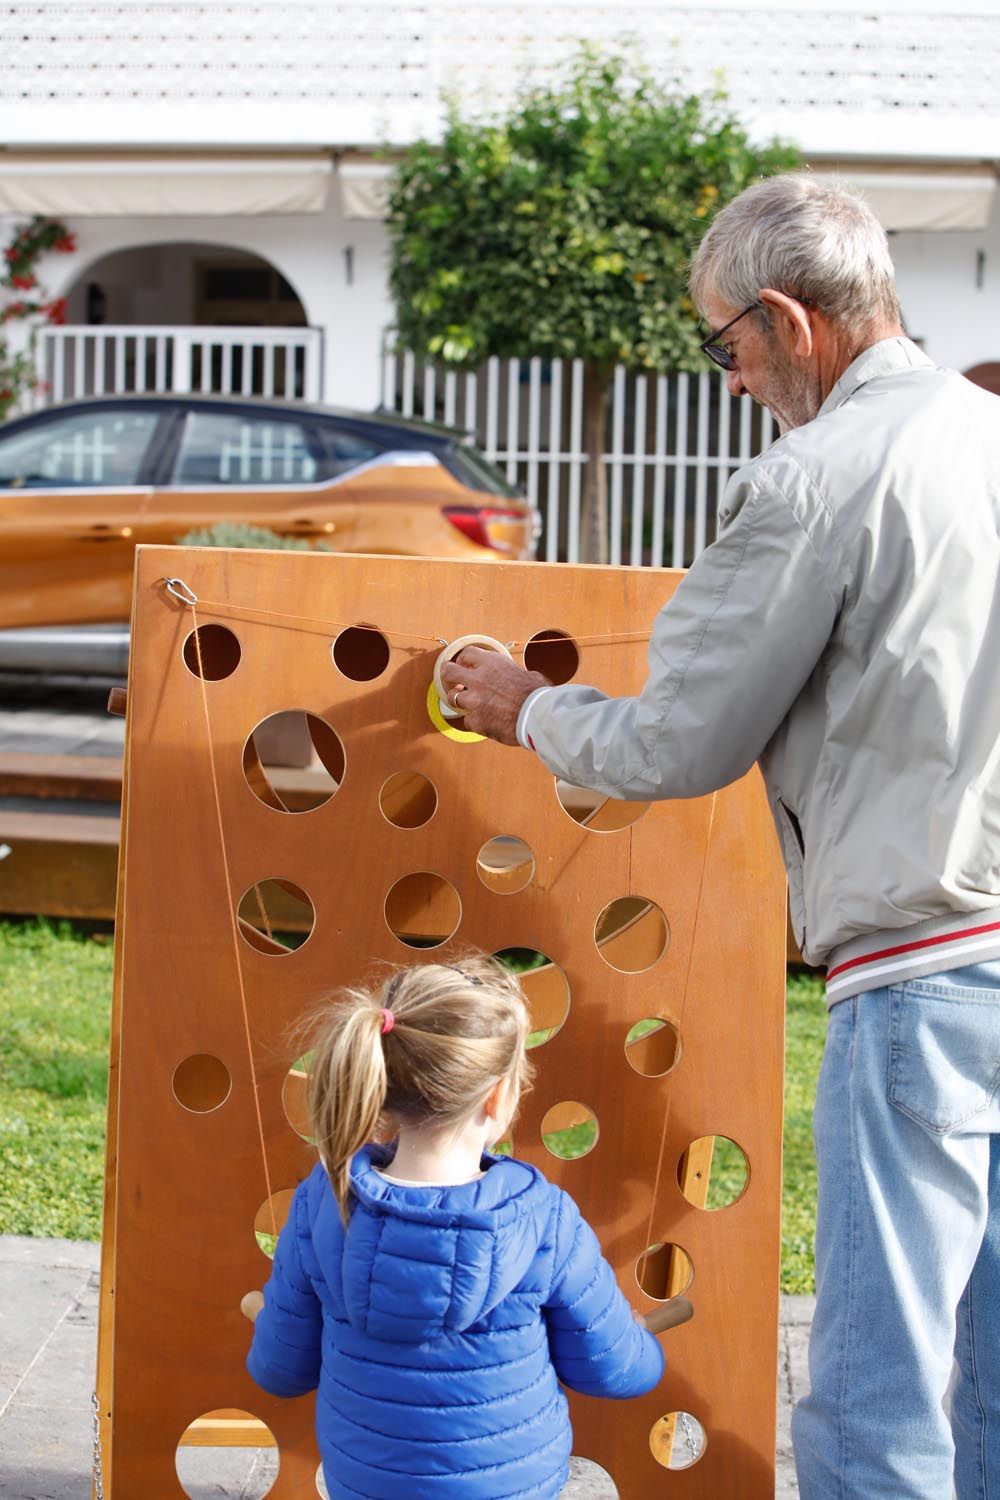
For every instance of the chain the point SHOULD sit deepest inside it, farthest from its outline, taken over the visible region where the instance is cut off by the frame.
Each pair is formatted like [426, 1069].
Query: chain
[98, 1459]
[690, 1438]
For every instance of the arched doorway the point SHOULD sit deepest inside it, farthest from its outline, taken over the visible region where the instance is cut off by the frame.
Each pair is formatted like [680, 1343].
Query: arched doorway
[987, 375]
[180, 317]
[184, 284]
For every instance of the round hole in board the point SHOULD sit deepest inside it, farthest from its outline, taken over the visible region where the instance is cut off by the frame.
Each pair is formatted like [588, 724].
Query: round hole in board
[631, 934]
[545, 988]
[664, 1271]
[595, 812]
[408, 799]
[284, 745]
[569, 1130]
[361, 653]
[293, 1096]
[677, 1440]
[423, 909]
[275, 916]
[201, 1083]
[223, 1440]
[653, 1047]
[554, 654]
[270, 1219]
[212, 652]
[505, 864]
[588, 1479]
[713, 1172]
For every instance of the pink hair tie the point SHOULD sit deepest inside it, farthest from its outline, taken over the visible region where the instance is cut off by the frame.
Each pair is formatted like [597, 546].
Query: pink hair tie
[388, 1021]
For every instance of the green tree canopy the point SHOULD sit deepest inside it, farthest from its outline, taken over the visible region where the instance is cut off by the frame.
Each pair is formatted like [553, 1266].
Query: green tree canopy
[565, 230]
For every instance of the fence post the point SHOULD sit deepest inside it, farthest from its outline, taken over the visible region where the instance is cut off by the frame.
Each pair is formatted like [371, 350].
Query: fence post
[181, 382]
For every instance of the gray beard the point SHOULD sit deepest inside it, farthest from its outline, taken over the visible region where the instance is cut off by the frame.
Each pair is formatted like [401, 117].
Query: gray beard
[793, 401]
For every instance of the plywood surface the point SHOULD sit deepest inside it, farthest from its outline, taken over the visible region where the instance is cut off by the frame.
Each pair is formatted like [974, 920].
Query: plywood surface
[189, 1183]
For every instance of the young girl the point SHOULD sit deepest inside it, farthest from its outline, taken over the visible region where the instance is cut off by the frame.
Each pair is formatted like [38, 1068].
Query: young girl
[435, 1293]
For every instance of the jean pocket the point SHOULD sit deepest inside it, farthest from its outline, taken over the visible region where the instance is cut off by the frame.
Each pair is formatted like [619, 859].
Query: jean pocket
[944, 1054]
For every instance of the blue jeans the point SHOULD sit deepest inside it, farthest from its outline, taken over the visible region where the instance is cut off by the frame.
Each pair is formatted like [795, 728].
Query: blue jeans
[907, 1130]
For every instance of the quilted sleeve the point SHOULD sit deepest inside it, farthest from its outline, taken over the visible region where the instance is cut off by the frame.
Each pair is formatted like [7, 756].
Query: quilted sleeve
[597, 1346]
[284, 1357]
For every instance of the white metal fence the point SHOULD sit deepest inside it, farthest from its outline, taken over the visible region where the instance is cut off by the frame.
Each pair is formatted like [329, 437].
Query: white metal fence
[672, 443]
[77, 360]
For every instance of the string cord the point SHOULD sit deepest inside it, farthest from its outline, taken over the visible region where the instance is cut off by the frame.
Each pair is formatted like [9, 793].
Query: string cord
[233, 921]
[242, 611]
[680, 1023]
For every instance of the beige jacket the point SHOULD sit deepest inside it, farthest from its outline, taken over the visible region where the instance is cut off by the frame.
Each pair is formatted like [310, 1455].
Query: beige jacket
[844, 631]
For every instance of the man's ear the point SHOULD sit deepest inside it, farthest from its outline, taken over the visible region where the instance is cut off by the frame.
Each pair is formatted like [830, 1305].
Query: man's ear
[791, 320]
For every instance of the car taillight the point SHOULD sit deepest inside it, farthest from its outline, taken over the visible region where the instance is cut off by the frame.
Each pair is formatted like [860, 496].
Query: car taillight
[503, 529]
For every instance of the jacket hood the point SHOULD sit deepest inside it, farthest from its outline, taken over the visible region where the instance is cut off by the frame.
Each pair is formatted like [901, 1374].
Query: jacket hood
[421, 1261]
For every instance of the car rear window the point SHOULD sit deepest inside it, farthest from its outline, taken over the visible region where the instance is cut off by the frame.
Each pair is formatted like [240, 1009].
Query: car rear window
[86, 448]
[345, 451]
[232, 448]
[471, 468]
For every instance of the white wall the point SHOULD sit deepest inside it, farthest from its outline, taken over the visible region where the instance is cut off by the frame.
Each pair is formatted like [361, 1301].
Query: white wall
[937, 272]
[309, 251]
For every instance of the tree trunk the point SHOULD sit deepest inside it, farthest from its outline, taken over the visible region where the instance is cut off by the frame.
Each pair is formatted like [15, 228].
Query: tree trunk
[594, 509]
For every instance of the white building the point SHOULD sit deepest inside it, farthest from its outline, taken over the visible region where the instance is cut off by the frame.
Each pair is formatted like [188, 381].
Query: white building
[221, 164]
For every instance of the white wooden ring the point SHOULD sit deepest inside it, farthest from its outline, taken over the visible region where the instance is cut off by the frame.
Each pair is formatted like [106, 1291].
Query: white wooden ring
[453, 648]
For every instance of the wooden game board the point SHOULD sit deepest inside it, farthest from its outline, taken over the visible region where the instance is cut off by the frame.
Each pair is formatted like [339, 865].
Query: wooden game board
[205, 1095]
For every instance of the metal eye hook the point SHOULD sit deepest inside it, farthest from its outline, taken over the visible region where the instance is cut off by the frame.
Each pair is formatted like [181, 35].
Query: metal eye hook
[180, 591]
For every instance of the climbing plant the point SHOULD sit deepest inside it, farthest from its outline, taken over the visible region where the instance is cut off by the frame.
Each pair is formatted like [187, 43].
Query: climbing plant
[22, 296]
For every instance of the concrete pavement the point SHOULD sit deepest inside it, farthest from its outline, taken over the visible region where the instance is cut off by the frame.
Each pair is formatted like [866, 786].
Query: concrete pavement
[48, 1339]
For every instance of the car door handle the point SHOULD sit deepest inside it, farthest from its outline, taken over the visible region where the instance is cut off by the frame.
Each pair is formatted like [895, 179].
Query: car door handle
[306, 526]
[102, 533]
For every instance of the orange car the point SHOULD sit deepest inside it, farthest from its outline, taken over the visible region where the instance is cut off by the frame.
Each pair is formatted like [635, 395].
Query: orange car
[82, 484]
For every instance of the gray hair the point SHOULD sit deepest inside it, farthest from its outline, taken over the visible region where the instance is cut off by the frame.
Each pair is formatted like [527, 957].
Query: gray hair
[808, 238]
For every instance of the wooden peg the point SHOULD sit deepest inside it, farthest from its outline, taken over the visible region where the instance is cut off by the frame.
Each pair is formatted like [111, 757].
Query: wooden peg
[670, 1315]
[116, 701]
[251, 1304]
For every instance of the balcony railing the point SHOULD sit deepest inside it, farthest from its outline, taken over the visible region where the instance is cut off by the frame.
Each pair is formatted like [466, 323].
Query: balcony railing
[76, 360]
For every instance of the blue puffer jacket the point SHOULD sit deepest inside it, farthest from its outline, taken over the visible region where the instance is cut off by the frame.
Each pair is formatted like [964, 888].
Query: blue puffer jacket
[437, 1327]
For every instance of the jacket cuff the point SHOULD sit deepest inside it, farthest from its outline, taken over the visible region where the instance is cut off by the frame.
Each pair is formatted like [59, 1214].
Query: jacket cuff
[523, 736]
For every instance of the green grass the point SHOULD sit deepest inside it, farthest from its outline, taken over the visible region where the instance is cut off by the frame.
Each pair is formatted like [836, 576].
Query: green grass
[55, 991]
[805, 1028]
[55, 984]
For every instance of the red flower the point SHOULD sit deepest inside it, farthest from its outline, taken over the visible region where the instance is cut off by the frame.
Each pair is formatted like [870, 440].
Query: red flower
[12, 253]
[55, 311]
[23, 282]
[65, 244]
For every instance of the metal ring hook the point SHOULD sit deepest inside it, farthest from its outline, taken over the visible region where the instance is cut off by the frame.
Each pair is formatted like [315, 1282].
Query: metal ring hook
[181, 591]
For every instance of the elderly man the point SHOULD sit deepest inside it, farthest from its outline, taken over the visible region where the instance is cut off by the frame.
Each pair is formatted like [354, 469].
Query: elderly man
[844, 631]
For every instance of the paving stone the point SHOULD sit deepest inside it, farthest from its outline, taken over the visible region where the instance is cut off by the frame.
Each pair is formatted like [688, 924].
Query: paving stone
[33, 1299]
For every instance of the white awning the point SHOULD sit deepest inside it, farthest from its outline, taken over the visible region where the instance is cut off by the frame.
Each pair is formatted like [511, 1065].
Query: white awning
[364, 188]
[122, 186]
[922, 197]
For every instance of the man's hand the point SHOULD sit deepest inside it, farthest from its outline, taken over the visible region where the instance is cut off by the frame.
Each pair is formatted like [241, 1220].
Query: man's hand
[490, 691]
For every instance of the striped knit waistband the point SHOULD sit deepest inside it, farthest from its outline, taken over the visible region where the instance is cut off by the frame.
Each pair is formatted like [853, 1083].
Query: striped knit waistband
[878, 959]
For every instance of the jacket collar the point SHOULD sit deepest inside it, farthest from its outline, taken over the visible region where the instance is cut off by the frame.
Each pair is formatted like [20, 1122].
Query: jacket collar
[887, 357]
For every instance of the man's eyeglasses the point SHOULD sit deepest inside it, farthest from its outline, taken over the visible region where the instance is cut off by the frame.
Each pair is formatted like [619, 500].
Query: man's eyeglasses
[721, 354]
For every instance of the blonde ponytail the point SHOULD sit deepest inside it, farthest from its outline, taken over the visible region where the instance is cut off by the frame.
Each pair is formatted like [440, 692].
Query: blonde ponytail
[347, 1088]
